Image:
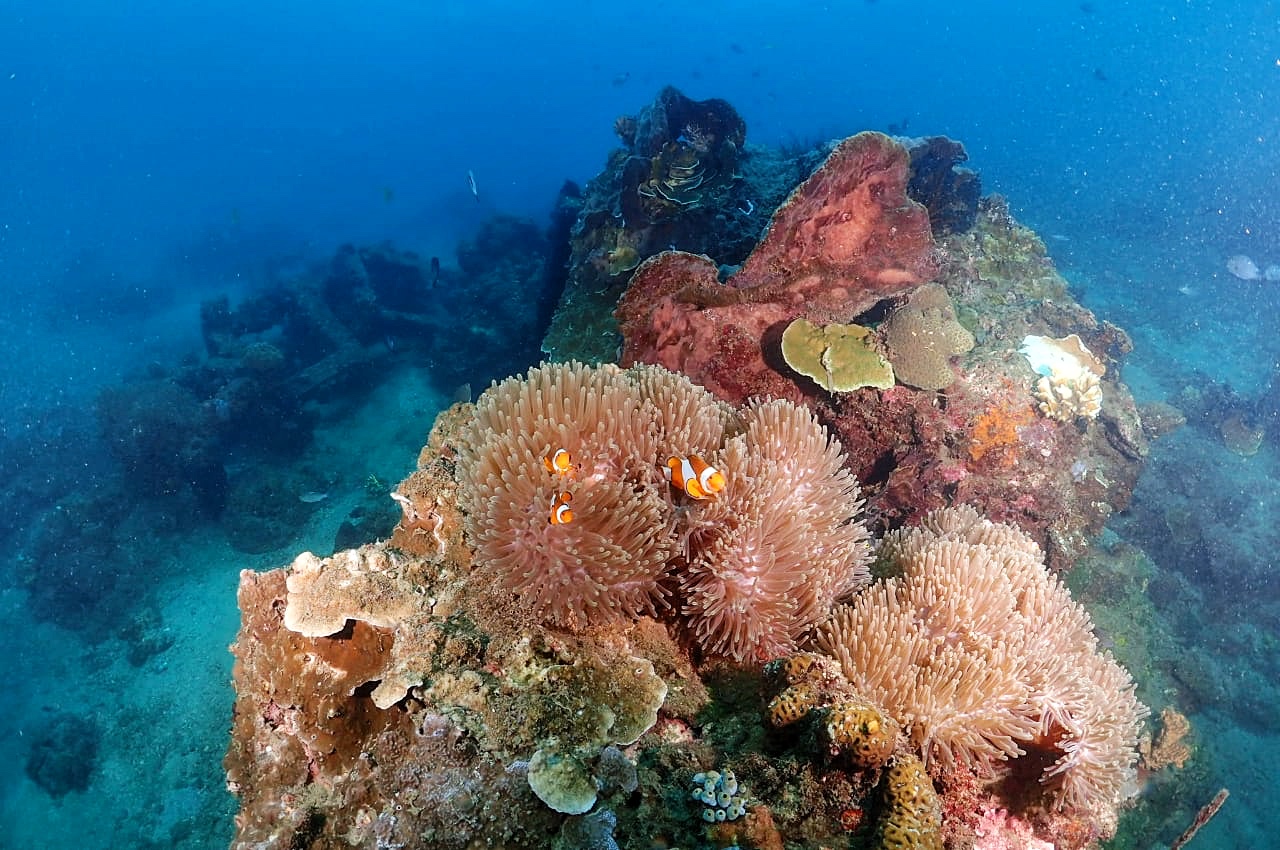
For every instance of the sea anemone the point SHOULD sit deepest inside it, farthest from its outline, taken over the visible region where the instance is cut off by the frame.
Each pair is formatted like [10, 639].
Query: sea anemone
[606, 564]
[981, 654]
[755, 567]
[782, 543]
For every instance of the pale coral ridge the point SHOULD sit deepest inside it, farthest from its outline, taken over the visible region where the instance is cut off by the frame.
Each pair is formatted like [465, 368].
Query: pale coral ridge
[981, 654]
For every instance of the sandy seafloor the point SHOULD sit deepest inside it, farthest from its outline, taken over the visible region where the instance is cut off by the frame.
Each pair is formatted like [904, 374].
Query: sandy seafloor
[160, 781]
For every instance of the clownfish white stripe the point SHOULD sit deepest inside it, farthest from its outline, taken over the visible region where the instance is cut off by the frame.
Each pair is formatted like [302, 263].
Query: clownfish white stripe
[558, 461]
[697, 478]
[561, 513]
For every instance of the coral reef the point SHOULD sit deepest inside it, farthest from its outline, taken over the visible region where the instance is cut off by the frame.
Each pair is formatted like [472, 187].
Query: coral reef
[911, 449]
[561, 643]
[682, 179]
[164, 442]
[392, 694]
[64, 754]
[845, 239]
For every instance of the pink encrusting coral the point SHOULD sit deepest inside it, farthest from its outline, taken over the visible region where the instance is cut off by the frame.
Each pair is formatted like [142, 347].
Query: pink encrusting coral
[847, 238]
[756, 566]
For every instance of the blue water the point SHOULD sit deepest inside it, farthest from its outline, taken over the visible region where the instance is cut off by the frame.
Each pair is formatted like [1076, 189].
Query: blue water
[155, 155]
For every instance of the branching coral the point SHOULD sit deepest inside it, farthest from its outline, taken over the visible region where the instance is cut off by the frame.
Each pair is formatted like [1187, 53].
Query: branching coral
[1069, 385]
[982, 655]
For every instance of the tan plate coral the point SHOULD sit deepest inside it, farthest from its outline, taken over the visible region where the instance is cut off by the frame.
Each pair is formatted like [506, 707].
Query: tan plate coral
[839, 358]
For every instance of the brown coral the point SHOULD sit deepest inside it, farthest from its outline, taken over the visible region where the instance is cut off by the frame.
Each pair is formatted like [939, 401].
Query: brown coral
[1171, 746]
[913, 815]
[922, 336]
[863, 731]
[792, 705]
[982, 655]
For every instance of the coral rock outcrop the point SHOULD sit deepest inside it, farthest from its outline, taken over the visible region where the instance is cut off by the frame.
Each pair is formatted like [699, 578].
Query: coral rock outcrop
[845, 239]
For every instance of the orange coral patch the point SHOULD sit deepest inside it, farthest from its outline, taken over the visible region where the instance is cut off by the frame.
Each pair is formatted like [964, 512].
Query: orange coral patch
[996, 433]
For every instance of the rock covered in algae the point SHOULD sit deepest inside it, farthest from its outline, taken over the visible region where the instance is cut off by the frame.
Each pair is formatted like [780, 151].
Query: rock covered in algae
[839, 358]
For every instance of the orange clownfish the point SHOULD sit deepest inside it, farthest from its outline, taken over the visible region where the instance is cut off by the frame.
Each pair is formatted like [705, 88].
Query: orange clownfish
[561, 513]
[558, 461]
[695, 476]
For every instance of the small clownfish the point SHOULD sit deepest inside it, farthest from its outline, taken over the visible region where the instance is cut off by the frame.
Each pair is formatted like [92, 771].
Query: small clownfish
[695, 476]
[558, 461]
[561, 513]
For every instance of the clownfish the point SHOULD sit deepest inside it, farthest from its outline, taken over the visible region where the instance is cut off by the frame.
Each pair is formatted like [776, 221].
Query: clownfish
[558, 461]
[695, 476]
[561, 513]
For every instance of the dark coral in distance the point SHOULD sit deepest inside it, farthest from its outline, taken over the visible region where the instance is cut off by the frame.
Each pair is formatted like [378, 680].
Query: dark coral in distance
[948, 190]
[64, 754]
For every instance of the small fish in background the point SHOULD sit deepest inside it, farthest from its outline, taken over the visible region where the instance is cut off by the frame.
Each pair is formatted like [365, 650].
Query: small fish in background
[1243, 267]
[899, 128]
[388, 194]
[312, 497]
[471, 181]
[561, 513]
[620, 80]
[435, 271]
[1100, 75]
[390, 342]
